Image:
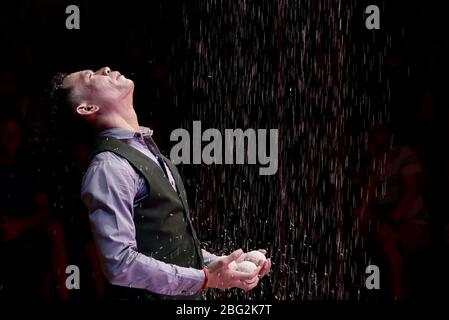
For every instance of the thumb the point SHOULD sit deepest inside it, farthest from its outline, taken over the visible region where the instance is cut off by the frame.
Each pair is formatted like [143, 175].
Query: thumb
[232, 257]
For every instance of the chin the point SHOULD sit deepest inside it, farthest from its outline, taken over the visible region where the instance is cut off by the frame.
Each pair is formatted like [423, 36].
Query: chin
[127, 82]
[129, 89]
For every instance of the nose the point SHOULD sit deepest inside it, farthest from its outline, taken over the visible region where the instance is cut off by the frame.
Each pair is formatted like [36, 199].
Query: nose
[104, 71]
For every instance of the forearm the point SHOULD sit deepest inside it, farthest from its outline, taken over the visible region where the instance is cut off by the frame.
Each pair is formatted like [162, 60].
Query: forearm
[123, 265]
[132, 269]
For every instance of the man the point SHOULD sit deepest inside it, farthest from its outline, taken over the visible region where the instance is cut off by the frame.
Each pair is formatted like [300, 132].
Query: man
[392, 199]
[137, 203]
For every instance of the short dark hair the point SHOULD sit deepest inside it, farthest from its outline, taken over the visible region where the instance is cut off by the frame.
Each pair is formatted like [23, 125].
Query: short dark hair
[63, 116]
[60, 96]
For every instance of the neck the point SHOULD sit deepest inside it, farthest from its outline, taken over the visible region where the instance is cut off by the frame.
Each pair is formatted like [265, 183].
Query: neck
[127, 121]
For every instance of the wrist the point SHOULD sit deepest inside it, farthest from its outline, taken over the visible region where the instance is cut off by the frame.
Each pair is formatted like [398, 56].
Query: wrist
[206, 279]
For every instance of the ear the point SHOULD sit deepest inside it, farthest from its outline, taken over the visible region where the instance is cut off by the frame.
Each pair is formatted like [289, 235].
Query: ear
[85, 109]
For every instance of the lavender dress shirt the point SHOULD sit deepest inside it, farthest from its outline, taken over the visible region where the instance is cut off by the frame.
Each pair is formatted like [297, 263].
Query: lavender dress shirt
[110, 188]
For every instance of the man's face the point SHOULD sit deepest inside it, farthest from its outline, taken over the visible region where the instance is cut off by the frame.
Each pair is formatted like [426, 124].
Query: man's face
[104, 88]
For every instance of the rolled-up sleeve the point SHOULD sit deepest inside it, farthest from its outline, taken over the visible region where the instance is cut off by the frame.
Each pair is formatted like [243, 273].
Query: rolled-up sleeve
[108, 191]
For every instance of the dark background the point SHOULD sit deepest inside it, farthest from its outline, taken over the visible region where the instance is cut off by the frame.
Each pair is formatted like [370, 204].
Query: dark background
[171, 50]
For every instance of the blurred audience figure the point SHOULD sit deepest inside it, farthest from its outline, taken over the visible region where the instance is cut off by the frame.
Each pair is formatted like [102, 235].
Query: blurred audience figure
[31, 240]
[391, 216]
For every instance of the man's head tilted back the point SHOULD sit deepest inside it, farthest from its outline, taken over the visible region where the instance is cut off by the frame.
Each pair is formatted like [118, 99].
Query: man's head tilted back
[103, 97]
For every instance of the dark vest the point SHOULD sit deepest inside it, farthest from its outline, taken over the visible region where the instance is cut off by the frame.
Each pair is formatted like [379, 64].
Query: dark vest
[164, 230]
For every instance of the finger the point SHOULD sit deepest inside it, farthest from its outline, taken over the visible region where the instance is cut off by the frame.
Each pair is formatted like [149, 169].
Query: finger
[266, 268]
[243, 276]
[232, 257]
[256, 272]
[247, 286]
[251, 286]
[232, 265]
[263, 251]
[263, 270]
[241, 258]
[255, 279]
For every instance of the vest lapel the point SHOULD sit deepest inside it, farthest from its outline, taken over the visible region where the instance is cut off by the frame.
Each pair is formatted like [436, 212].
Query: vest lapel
[115, 144]
[182, 194]
[179, 184]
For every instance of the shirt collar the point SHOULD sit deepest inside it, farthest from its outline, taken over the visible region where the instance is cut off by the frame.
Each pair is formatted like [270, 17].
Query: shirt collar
[121, 134]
